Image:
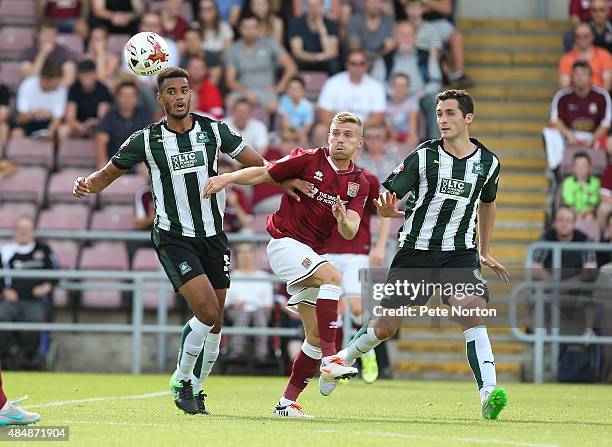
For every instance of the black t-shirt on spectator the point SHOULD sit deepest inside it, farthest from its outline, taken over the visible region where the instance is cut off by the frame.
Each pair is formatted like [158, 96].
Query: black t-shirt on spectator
[5, 95]
[119, 128]
[87, 102]
[311, 40]
[571, 261]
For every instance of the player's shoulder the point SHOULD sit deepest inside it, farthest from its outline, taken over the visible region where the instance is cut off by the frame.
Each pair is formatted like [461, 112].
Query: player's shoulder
[312, 152]
[426, 146]
[485, 150]
[600, 91]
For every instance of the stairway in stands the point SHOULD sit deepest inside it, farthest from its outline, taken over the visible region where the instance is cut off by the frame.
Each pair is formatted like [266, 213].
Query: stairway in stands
[514, 66]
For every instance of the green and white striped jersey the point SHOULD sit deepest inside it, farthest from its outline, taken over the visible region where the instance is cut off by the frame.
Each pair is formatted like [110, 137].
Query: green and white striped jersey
[447, 190]
[179, 165]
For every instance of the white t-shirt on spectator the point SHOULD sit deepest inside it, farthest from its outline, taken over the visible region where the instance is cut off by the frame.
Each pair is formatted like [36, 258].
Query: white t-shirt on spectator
[339, 94]
[255, 134]
[30, 97]
[255, 294]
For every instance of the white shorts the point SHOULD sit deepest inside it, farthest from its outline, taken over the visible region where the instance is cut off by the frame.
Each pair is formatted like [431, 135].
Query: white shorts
[349, 265]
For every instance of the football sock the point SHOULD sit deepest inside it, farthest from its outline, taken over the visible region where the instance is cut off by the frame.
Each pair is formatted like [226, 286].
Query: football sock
[305, 365]
[3, 398]
[365, 340]
[206, 360]
[192, 341]
[327, 317]
[480, 358]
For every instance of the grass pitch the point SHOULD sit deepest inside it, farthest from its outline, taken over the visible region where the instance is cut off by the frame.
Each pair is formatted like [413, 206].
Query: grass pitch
[124, 410]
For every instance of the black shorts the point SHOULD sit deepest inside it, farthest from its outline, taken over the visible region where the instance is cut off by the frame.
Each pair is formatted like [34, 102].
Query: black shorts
[457, 273]
[183, 258]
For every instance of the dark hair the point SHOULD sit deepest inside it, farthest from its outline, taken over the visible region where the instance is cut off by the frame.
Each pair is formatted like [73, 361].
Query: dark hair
[297, 79]
[582, 64]
[199, 57]
[87, 66]
[568, 208]
[466, 103]
[401, 75]
[171, 72]
[352, 51]
[126, 83]
[217, 20]
[581, 154]
[248, 17]
[243, 100]
[51, 70]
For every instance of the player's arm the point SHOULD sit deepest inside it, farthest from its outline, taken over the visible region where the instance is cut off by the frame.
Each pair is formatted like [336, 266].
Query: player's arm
[247, 176]
[97, 180]
[348, 220]
[377, 254]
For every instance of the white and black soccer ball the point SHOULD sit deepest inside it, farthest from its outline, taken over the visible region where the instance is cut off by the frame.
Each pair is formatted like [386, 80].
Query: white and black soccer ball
[146, 53]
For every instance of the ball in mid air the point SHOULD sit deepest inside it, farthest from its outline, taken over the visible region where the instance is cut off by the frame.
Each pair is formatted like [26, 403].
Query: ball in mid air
[146, 53]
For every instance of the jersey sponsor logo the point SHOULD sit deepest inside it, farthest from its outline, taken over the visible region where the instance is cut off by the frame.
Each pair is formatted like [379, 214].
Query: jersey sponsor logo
[202, 137]
[318, 176]
[399, 168]
[184, 267]
[188, 162]
[306, 263]
[126, 142]
[477, 168]
[454, 188]
[353, 189]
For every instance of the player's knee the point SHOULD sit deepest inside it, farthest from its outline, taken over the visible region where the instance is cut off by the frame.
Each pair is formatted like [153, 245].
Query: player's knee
[331, 275]
[207, 311]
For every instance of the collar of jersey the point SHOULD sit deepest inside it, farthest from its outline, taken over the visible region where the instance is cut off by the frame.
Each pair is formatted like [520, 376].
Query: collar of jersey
[193, 123]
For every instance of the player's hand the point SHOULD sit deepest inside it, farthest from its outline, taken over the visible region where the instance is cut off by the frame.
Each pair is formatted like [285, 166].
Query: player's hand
[489, 261]
[339, 210]
[386, 204]
[214, 185]
[81, 187]
[290, 185]
[377, 256]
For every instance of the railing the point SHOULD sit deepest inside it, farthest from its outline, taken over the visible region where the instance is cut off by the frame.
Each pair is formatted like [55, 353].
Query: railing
[540, 336]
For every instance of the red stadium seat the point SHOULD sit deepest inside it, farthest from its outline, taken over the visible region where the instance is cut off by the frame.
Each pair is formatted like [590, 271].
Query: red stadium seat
[590, 228]
[123, 189]
[30, 151]
[60, 187]
[27, 185]
[261, 255]
[10, 73]
[73, 42]
[18, 12]
[145, 260]
[67, 252]
[113, 218]
[259, 223]
[105, 256]
[64, 217]
[14, 40]
[10, 212]
[77, 152]
[60, 298]
[101, 298]
[116, 42]
[313, 82]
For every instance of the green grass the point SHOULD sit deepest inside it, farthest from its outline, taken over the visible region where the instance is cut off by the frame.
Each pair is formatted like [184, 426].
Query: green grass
[388, 413]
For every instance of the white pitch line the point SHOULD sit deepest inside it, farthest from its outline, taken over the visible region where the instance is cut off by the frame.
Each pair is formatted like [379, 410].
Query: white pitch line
[443, 438]
[60, 403]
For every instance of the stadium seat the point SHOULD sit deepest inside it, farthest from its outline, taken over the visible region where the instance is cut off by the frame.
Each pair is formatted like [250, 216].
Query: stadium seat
[313, 81]
[105, 256]
[145, 260]
[60, 298]
[101, 298]
[73, 42]
[77, 152]
[10, 73]
[116, 42]
[10, 212]
[590, 228]
[60, 187]
[123, 189]
[18, 12]
[259, 223]
[30, 151]
[27, 185]
[598, 157]
[113, 218]
[261, 255]
[67, 252]
[64, 217]
[14, 40]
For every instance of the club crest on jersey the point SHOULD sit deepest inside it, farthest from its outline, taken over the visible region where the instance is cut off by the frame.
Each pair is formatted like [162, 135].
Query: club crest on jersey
[353, 189]
[478, 169]
[306, 263]
[318, 175]
[202, 137]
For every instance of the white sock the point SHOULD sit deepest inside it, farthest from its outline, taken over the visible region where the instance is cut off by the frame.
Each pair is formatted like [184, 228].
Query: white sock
[208, 356]
[366, 341]
[192, 341]
[283, 401]
[5, 406]
[480, 358]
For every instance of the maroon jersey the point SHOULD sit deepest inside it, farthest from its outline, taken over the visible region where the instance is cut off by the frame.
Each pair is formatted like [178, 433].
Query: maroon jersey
[362, 241]
[582, 114]
[63, 9]
[311, 221]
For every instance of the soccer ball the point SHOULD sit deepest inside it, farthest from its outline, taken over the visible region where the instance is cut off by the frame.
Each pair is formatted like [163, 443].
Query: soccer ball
[146, 54]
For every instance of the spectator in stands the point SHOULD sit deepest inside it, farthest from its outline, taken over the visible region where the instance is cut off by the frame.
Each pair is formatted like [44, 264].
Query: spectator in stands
[173, 25]
[144, 209]
[427, 34]
[217, 34]
[253, 131]
[238, 215]
[575, 266]
[598, 59]
[88, 102]
[272, 26]
[107, 62]
[251, 65]
[371, 30]
[193, 45]
[601, 24]
[25, 299]
[7, 168]
[605, 257]
[46, 48]
[124, 119]
[402, 113]
[296, 112]
[580, 191]
[332, 9]
[605, 195]
[118, 16]
[229, 10]
[581, 116]
[376, 158]
[580, 12]
[249, 301]
[420, 66]
[70, 16]
[314, 40]
[41, 103]
[353, 90]
[5, 115]
[206, 97]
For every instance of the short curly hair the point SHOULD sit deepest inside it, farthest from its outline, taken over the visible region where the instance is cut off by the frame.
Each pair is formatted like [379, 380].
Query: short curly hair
[171, 72]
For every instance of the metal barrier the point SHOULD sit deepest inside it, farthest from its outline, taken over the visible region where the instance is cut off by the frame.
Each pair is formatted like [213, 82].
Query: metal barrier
[540, 336]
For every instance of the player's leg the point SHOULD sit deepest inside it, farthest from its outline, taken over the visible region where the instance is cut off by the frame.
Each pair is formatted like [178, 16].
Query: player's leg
[304, 366]
[11, 414]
